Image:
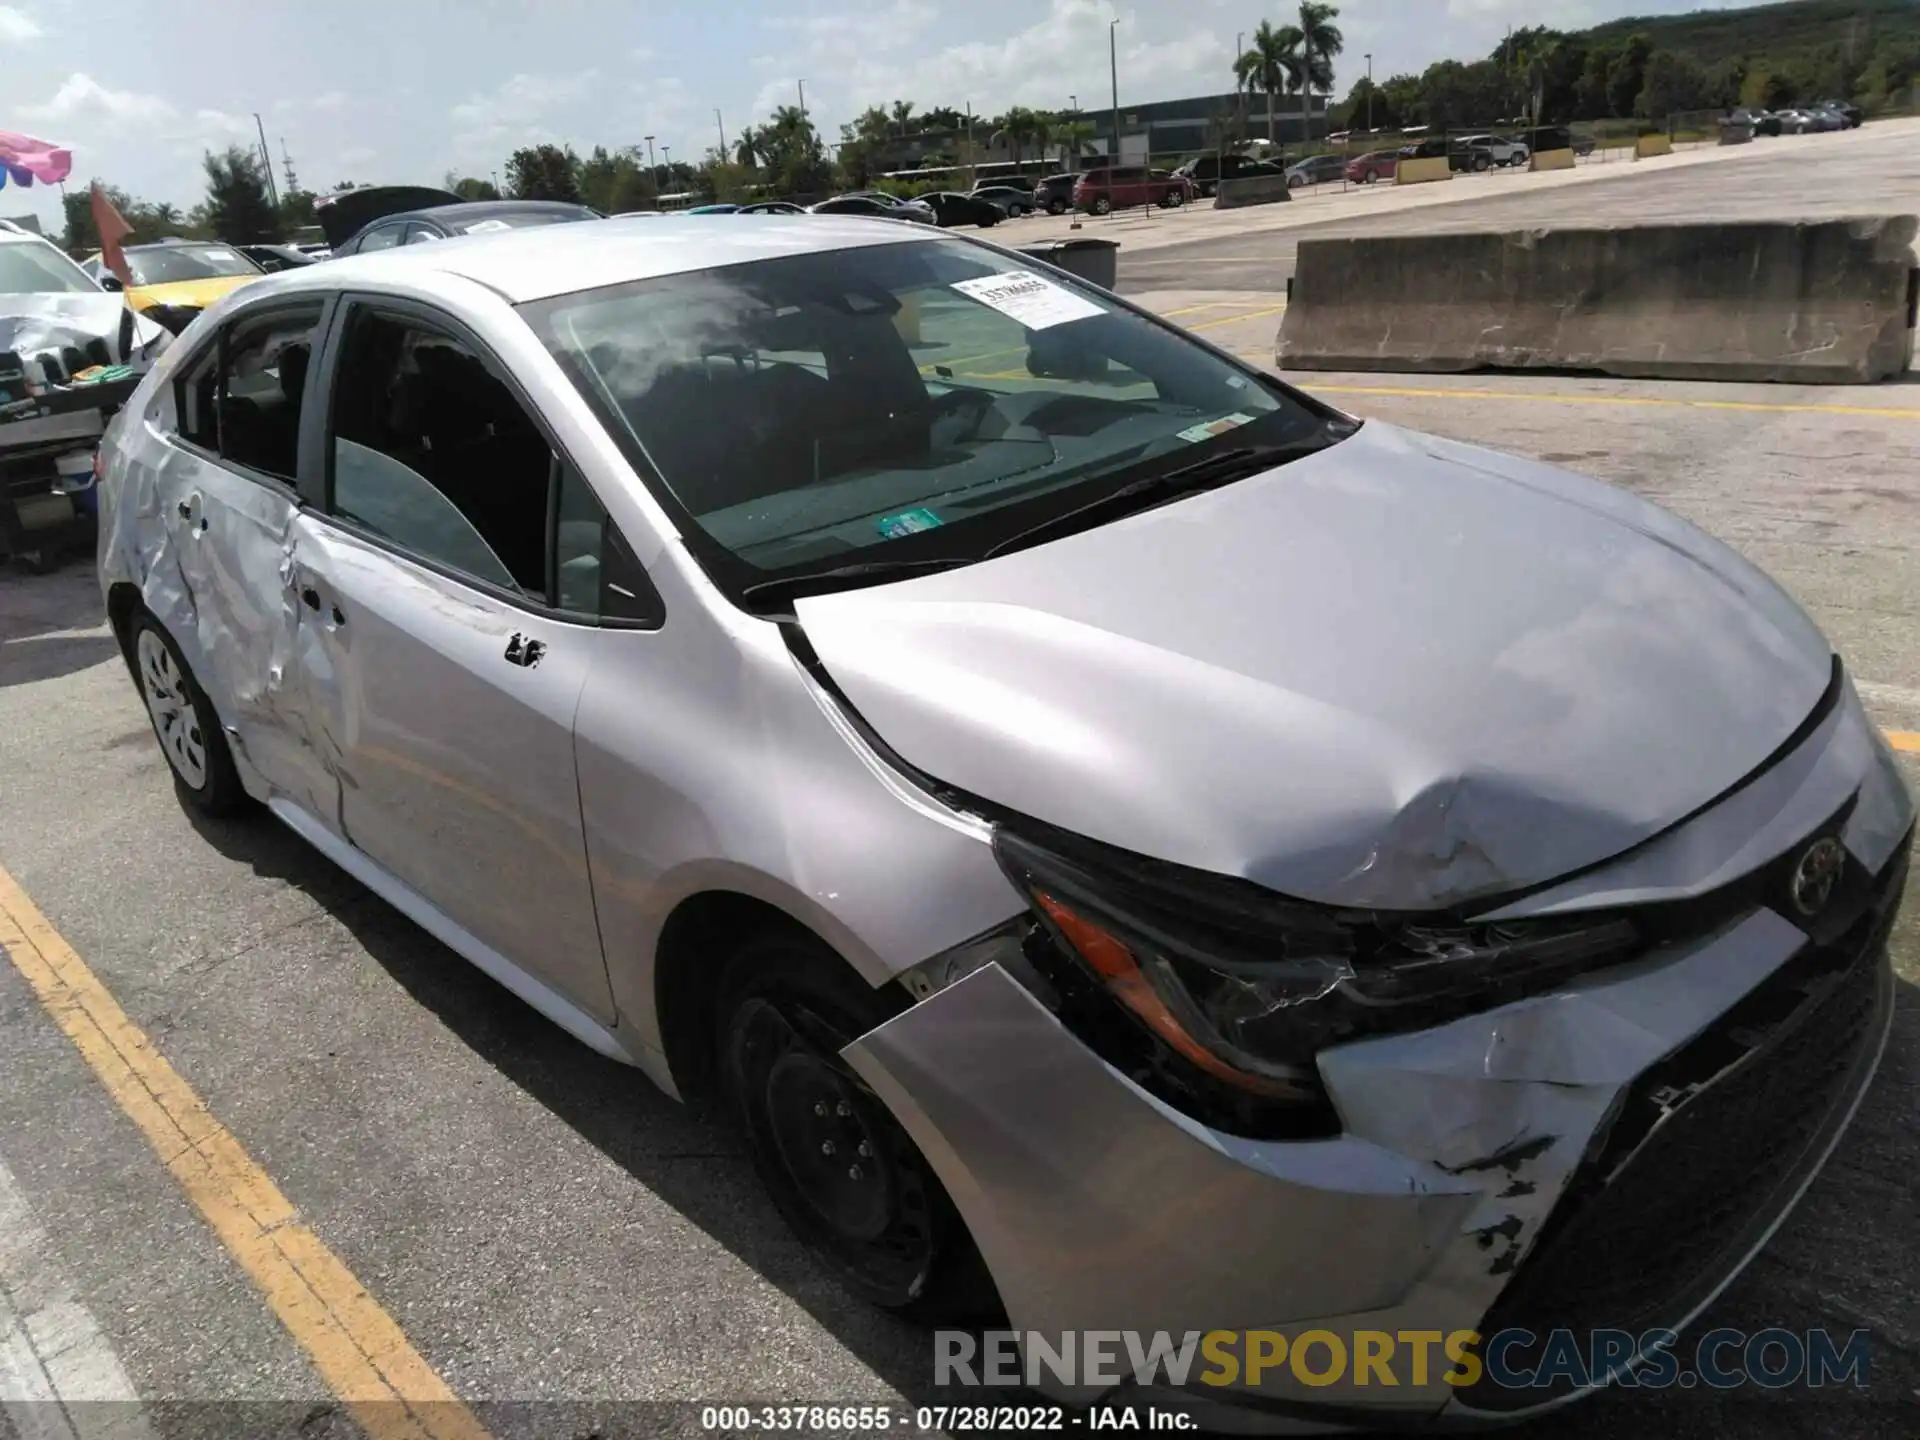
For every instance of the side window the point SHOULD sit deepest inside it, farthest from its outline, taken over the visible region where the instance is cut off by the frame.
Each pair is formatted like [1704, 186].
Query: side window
[243, 400]
[594, 571]
[383, 237]
[417, 233]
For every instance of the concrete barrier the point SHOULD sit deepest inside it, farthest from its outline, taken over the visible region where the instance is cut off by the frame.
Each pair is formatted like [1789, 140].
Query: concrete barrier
[1552, 160]
[1254, 190]
[1648, 146]
[1814, 302]
[1419, 171]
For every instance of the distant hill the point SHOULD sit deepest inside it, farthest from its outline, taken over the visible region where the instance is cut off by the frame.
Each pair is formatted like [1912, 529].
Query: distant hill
[1797, 28]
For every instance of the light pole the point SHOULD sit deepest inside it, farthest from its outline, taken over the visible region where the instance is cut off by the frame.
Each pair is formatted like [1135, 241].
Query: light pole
[1369, 93]
[650, 164]
[803, 98]
[1113, 72]
[1239, 86]
[721, 126]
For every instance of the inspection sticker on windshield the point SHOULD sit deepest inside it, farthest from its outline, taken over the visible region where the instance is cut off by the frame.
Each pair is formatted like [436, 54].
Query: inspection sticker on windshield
[908, 522]
[1035, 302]
[1215, 427]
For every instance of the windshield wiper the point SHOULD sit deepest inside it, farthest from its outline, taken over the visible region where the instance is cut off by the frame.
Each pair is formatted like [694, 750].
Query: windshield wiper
[787, 585]
[1216, 469]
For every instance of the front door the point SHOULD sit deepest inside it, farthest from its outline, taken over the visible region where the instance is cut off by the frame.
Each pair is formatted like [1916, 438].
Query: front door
[452, 681]
[230, 470]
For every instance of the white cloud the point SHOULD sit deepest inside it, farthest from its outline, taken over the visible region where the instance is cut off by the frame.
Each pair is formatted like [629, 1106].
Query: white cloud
[17, 27]
[516, 112]
[830, 36]
[81, 97]
[329, 101]
[357, 155]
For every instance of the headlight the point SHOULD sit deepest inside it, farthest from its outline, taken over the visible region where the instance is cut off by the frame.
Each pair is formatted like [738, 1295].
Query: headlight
[1241, 988]
[175, 317]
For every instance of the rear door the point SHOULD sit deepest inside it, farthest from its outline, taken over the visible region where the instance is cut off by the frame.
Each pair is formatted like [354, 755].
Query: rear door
[438, 578]
[231, 427]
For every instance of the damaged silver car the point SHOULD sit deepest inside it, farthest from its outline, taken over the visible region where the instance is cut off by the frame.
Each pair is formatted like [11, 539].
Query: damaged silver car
[1130, 844]
[71, 353]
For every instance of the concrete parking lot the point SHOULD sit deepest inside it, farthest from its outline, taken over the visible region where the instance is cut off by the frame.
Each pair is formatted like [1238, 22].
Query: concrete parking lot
[467, 1196]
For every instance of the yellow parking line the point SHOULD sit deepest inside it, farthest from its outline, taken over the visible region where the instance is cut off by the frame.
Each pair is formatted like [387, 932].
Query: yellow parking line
[1423, 392]
[1908, 740]
[1234, 319]
[361, 1354]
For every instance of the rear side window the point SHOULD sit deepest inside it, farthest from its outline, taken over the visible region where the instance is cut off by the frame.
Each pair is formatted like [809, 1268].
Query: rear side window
[243, 401]
[381, 237]
[434, 453]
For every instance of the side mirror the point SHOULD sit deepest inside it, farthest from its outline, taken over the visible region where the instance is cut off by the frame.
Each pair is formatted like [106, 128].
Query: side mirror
[111, 282]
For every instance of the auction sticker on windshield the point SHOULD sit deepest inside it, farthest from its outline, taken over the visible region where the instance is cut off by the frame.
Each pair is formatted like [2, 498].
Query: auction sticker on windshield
[1035, 302]
[1193, 434]
[907, 522]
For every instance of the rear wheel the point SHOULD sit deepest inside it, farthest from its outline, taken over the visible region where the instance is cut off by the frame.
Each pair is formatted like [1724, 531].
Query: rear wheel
[1176, 198]
[184, 723]
[844, 1174]
[1482, 162]
[1056, 207]
[1101, 205]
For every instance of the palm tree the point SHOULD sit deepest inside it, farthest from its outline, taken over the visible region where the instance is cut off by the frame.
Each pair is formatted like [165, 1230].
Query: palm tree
[1320, 41]
[749, 147]
[1072, 137]
[903, 114]
[1269, 63]
[1016, 129]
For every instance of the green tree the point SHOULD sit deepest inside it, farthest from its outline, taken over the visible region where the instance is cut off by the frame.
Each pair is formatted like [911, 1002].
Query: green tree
[1271, 65]
[469, 187]
[1320, 42]
[1673, 83]
[544, 172]
[901, 113]
[1073, 136]
[793, 158]
[1019, 128]
[1628, 75]
[614, 182]
[296, 209]
[238, 210]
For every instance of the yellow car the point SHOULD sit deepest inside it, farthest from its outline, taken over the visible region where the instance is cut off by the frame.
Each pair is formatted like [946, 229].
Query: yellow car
[174, 280]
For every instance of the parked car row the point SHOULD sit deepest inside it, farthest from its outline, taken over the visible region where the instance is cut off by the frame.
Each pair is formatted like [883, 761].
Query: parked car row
[1800, 120]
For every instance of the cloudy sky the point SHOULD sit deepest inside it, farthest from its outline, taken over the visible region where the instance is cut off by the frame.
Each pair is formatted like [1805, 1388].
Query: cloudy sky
[404, 90]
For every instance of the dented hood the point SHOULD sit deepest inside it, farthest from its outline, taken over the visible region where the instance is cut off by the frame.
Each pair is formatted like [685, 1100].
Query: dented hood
[1400, 673]
[97, 324]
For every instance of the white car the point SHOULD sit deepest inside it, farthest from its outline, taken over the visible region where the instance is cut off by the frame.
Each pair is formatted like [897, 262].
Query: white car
[1498, 148]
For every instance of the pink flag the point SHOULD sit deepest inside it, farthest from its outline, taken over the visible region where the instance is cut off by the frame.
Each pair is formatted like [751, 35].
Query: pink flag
[46, 162]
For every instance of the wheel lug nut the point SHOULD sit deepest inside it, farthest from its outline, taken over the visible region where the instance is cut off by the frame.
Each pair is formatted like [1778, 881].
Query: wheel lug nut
[826, 1147]
[820, 1108]
[853, 1172]
[865, 1151]
[842, 1110]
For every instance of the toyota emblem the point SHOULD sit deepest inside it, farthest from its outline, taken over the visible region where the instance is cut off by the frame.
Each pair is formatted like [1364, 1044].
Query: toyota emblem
[1816, 875]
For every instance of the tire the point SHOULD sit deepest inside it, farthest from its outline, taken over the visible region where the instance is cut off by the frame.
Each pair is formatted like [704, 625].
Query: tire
[184, 722]
[1176, 198]
[1056, 207]
[884, 1227]
[1016, 211]
[1102, 205]
[1481, 163]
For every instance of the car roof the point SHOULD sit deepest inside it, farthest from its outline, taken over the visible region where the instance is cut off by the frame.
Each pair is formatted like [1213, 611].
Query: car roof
[533, 264]
[470, 211]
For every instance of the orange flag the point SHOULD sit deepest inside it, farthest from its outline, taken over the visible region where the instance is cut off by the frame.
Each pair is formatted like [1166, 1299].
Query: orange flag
[113, 228]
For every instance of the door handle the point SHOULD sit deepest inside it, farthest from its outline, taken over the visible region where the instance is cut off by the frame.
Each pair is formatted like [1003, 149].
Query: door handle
[524, 652]
[191, 512]
[310, 597]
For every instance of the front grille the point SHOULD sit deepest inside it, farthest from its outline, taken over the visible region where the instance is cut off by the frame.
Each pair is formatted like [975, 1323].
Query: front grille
[1705, 1150]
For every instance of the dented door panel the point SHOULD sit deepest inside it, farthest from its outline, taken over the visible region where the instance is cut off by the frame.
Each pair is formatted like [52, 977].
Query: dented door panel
[215, 559]
[449, 716]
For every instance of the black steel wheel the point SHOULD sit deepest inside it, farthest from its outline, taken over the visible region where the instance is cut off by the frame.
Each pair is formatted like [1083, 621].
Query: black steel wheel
[844, 1174]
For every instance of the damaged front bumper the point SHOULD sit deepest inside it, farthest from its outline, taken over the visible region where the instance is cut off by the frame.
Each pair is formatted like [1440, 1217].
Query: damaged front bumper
[1606, 1155]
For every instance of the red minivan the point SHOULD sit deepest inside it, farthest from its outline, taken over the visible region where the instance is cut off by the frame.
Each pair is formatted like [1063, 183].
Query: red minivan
[1121, 186]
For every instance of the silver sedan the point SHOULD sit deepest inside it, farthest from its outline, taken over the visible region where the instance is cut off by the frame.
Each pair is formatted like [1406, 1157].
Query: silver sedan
[1131, 845]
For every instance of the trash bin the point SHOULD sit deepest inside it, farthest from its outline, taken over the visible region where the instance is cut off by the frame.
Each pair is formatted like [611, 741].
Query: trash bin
[1094, 260]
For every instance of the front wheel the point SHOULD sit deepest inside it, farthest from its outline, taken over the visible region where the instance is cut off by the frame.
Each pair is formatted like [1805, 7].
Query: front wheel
[1176, 198]
[1102, 206]
[844, 1174]
[185, 724]
[1056, 207]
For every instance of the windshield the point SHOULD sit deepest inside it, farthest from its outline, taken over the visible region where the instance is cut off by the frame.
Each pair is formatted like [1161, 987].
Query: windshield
[168, 264]
[518, 220]
[30, 268]
[915, 401]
